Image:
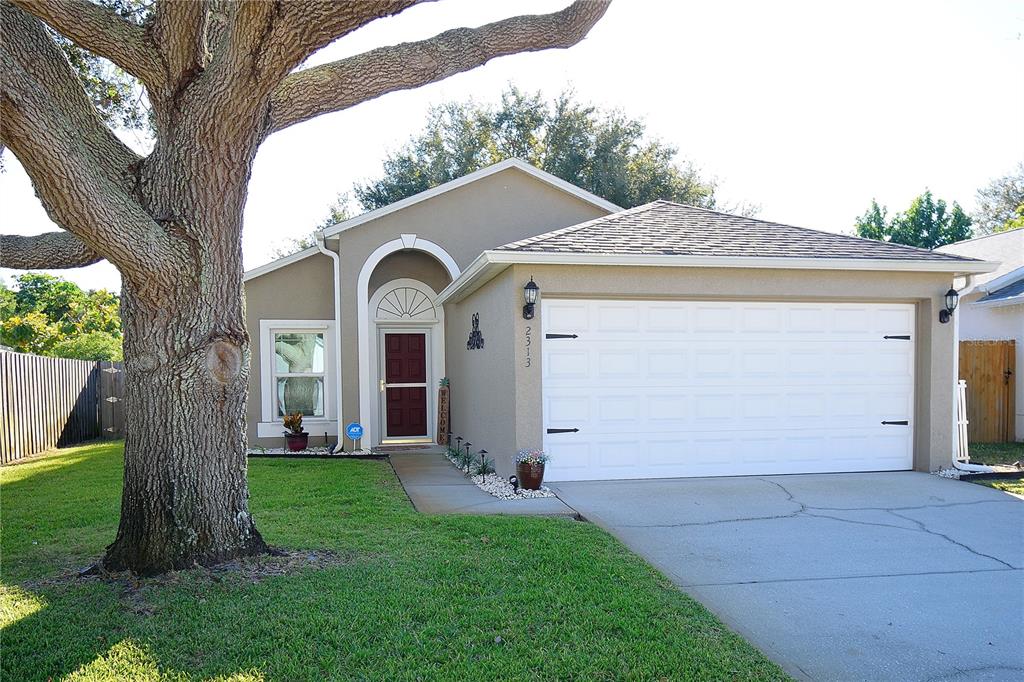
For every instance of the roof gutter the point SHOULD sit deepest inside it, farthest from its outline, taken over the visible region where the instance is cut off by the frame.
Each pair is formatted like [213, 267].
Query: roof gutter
[489, 263]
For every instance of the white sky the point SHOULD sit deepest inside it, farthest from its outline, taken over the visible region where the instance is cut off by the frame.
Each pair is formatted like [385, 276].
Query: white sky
[809, 109]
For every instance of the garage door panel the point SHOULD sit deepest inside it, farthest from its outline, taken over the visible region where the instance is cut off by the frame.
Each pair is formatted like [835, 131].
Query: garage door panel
[707, 388]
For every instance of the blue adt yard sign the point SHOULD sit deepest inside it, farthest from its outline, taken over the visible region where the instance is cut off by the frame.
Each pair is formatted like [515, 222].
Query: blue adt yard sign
[354, 431]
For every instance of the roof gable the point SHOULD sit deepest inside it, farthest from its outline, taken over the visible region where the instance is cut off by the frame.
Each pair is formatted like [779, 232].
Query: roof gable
[507, 164]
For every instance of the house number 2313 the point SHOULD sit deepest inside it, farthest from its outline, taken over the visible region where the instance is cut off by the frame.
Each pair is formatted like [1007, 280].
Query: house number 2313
[528, 342]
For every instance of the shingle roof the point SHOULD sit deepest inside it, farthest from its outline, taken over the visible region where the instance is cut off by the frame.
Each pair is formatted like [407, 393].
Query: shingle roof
[671, 229]
[1008, 293]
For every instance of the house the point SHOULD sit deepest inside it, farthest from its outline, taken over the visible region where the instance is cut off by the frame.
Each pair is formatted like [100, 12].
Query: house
[992, 303]
[667, 340]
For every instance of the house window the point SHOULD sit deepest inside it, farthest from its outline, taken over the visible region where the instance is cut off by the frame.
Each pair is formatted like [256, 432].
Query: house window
[297, 365]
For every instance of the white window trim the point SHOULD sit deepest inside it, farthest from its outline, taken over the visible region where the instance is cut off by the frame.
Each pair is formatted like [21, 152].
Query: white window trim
[270, 425]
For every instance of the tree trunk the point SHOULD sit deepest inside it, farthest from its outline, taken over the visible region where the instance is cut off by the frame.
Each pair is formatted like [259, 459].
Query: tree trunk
[185, 498]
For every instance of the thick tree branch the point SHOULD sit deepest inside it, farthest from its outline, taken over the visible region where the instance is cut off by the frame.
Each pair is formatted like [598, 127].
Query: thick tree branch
[103, 32]
[47, 251]
[344, 83]
[304, 26]
[81, 173]
[179, 32]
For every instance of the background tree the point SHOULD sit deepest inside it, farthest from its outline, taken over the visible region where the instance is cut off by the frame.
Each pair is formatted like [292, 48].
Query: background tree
[219, 78]
[49, 315]
[1001, 202]
[928, 223]
[603, 151]
[338, 212]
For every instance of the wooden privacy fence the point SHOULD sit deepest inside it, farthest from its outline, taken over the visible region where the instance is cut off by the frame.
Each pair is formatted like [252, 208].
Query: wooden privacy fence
[989, 369]
[55, 402]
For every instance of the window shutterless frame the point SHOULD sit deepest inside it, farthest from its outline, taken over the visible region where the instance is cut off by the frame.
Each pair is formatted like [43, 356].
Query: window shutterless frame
[270, 424]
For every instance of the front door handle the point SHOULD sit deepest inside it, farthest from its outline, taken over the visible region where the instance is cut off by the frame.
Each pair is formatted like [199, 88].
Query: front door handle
[902, 422]
[563, 430]
[382, 385]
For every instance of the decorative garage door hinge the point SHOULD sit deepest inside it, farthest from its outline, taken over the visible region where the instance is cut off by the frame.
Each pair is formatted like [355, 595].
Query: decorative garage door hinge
[901, 337]
[561, 336]
[902, 422]
[562, 430]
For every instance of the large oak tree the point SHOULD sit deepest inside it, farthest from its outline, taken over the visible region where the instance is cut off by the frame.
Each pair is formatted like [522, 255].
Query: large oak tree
[220, 77]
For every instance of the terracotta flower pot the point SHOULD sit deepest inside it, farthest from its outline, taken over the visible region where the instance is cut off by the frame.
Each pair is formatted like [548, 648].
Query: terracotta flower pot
[530, 475]
[297, 441]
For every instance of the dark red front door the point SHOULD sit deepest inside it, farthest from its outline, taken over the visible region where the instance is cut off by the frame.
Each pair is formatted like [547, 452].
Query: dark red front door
[405, 377]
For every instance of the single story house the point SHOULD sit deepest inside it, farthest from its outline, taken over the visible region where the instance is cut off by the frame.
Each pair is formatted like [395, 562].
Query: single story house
[667, 340]
[992, 303]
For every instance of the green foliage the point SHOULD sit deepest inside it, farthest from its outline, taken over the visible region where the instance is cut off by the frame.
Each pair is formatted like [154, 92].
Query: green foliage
[483, 466]
[49, 315]
[603, 151]
[293, 422]
[1014, 223]
[411, 596]
[1001, 203]
[118, 97]
[927, 223]
[90, 346]
[337, 212]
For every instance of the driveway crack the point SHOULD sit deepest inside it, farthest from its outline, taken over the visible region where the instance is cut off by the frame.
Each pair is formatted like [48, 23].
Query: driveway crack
[925, 529]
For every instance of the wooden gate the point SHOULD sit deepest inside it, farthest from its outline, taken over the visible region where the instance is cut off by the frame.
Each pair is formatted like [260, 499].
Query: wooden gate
[988, 368]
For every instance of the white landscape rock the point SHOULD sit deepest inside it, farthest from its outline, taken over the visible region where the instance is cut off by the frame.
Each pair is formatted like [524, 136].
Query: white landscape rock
[499, 487]
[308, 451]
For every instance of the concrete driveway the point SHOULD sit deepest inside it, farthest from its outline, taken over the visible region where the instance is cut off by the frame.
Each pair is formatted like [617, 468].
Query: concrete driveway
[882, 576]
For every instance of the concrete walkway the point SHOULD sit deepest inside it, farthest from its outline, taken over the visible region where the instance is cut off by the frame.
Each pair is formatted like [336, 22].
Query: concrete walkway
[883, 576]
[437, 487]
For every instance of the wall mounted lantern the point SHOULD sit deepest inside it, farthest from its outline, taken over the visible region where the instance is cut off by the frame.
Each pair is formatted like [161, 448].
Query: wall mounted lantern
[952, 298]
[530, 292]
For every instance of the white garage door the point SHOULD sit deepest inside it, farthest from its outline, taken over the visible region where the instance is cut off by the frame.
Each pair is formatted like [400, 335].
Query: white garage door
[663, 389]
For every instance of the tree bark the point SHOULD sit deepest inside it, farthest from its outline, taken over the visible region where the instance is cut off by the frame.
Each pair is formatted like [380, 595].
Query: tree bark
[185, 498]
[217, 76]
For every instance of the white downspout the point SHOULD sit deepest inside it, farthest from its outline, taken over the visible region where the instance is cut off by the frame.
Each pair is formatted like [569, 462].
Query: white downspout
[962, 466]
[336, 258]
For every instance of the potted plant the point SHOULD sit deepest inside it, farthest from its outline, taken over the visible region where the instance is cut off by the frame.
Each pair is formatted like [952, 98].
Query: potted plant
[530, 468]
[297, 439]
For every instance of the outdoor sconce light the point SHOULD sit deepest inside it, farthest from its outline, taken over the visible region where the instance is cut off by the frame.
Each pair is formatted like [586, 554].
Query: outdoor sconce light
[530, 292]
[952, 298]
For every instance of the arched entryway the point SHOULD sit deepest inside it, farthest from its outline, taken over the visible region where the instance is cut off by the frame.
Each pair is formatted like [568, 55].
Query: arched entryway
[400, 325]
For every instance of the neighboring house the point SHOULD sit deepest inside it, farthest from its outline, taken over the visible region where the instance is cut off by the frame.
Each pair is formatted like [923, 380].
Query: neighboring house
[992, 303]
[668, 340]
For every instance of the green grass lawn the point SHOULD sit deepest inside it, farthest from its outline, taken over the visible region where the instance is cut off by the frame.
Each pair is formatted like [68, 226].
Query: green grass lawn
[414, 597]
[1007, 485]
[996, 453]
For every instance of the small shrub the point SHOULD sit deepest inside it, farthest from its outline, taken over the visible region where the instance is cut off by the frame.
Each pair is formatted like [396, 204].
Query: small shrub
[464, 460]
[293, 422]
[483, 466]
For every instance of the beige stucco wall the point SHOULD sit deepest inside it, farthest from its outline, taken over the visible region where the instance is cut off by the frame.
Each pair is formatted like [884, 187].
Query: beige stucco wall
[303, 290]
[933, 445]
[483, 408]
[412, 264]
[504, 207]
[495, 210]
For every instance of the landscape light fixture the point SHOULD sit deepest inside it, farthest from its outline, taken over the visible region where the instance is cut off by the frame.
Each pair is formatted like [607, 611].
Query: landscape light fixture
[530, 292]
[952, 298]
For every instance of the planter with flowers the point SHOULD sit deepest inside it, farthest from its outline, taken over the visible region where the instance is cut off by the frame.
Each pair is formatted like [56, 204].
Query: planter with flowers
[530, 468]
[297, 439]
